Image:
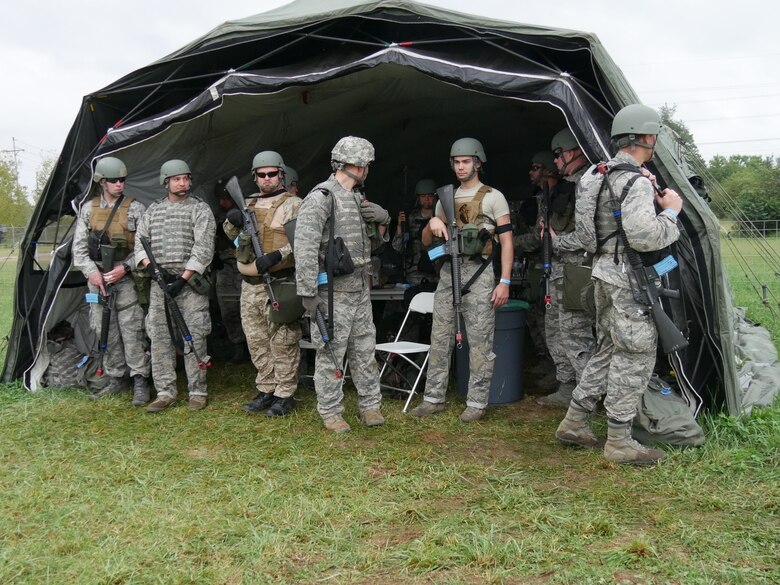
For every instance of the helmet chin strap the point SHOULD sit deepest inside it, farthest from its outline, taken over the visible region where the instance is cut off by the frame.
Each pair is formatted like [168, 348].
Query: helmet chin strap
[358, 180]
[580, 156]
[474, 168]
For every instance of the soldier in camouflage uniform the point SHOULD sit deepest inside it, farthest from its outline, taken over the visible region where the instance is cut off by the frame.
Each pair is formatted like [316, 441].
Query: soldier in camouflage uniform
[274, 347]
[487, 208]
[126, 352]
[528, 244]
[181, 229]
[407, 235]
[363, 227]
[227, 279]
[569, 333]
[623, 363]
[291, 182]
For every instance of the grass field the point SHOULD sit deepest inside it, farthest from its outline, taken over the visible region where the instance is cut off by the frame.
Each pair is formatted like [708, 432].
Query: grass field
[99, 492]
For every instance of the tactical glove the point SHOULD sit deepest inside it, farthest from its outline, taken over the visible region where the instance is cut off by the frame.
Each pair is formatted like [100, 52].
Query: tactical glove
[150, 270]
[373, 213]
[311, 304]
[265, 261]
[235, 217]
[176, 286]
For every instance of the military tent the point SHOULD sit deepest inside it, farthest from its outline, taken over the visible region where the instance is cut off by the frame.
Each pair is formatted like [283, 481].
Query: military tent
[409, 77]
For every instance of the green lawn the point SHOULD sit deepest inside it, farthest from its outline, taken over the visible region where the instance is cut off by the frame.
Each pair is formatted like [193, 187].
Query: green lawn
[99, 492]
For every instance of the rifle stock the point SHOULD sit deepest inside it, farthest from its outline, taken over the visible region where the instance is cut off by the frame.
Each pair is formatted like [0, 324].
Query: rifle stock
[447, 200]
[252, 229]
[173, 306]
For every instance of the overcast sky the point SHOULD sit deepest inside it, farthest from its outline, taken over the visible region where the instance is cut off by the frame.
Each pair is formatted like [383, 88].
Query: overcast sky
[718, 61]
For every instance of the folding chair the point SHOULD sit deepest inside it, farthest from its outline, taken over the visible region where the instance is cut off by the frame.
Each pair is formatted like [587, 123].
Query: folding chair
[421, 303]
[307, 344]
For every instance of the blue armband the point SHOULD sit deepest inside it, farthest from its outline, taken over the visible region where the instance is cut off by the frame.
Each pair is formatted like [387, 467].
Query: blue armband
[505, 281]
[669, 211]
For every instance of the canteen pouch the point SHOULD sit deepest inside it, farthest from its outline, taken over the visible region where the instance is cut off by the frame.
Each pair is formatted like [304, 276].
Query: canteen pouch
[245, 254]
[200, 283]
[575, 279]
[290, 304]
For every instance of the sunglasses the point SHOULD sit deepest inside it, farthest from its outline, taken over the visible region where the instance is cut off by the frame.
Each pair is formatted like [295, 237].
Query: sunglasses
[117, 180]
[537, 167]
[557, 154]
[270, 175]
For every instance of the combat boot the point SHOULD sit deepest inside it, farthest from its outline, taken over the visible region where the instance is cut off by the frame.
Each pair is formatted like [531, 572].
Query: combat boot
[472, 414]
[621, 448]
[337, 424]
[115, 386]
[260, 403]
[426, 408]
[197, 402]
[560, 398]
[372, 418]
[161, 403]
[281, 406]
[575, 430]
[140, 390]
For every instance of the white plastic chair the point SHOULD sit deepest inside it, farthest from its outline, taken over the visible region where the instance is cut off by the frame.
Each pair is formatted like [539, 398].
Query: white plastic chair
[421, 303]
[305, 344]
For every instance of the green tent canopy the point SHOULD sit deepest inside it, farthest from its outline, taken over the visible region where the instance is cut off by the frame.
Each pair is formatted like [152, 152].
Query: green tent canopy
[410, 78]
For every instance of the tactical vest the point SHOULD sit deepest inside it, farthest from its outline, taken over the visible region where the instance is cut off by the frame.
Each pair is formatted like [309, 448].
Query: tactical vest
[604, 219]
[117, 233]
[270, 239]
[172, 230]
[471, 212]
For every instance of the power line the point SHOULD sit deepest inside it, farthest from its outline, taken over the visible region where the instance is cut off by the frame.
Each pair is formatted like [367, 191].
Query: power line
[683, 61]
[732, 118]
[722, 87]
[736, 141]
[725, 99]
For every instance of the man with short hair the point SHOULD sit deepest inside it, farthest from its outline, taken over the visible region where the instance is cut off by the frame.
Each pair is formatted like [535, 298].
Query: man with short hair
[408, 232]
[568, 332]
[620, 369]
[361, 226]
[485, 207]
[111, 218]
[273, 346]
[180, 229]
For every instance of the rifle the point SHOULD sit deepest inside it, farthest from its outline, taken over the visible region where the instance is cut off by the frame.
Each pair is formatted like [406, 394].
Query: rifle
[451, 247]
[108, 303]
[546, 245]
[319, 318]
[175, 312]
[646, 281]
[251, 228]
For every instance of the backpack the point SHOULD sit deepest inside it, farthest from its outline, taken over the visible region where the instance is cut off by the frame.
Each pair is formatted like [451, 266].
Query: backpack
[665, 417]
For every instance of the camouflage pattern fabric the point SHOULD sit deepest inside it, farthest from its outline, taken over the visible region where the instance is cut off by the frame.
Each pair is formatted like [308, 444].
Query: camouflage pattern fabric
[126, 353]
[195, 309]
[623, 362]
[274, 348]
[479, 317]
[569, 336]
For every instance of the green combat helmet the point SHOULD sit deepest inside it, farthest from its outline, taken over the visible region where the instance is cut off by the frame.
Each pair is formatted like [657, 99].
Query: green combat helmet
[632, 121]
[109, 168]
[173, 168]
[564, 140]
[290, 175]
[545, 157]
[468, 147]
[352, 150]
[267, 158]
[425, 187]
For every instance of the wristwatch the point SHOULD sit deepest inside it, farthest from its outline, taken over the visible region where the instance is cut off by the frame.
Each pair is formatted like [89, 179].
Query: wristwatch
[127, 268]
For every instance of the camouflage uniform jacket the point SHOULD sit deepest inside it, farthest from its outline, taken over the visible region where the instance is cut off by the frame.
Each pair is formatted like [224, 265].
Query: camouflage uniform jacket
[287, 211]
[645, 229]
[181, 234]
[81, 259]
[312, 233]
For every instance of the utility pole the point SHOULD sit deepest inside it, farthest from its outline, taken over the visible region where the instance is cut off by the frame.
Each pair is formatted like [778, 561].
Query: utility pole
[15, 151]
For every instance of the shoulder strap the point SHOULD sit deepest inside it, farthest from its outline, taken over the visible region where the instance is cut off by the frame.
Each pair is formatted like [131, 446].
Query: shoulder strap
[113, 211]
[329, 263]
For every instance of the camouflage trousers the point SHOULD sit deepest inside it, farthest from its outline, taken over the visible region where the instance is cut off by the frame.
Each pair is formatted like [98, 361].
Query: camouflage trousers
[354, 334]
[195, 310]
[228, 291]
[569, 336]
[274, 348]
[126, 352]
[623, 362]
[479, 318]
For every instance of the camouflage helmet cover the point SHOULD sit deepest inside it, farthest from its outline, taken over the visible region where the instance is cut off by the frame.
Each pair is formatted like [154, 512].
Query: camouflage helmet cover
[352, 150]
[109, 168]
[172, 168]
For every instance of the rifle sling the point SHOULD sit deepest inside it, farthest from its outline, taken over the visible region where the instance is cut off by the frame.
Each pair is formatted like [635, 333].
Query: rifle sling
[485, 262]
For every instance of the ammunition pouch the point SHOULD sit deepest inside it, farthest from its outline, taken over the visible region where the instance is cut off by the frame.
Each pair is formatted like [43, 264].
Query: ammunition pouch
[142, 285]
[340, 262]
[471, 245]
[290, 304]
[96, 239]
[245, 254]
[121, 249]
[575, 280]
[200, 283]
